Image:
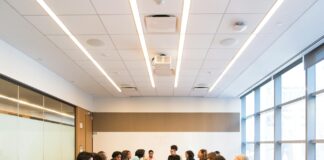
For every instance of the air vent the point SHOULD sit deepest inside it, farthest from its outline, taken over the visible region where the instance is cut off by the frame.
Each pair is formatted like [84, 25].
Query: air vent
[161, 23]
[199, 91]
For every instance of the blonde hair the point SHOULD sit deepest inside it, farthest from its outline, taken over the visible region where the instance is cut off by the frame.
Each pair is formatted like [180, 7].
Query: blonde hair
[241, 157]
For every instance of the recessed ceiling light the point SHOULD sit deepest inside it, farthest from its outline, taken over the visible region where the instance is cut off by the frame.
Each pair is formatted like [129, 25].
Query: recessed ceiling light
[76, 41]
[184, 22]
[248, 41]
[95, 42]
[139, 28]
[228, 42]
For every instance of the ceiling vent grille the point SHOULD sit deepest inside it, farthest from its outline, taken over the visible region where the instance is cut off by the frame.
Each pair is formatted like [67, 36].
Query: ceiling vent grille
[161, 23]
[162, 65]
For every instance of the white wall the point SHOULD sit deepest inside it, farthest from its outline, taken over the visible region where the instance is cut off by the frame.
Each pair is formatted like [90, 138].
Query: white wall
[20, 67]
[226, 142]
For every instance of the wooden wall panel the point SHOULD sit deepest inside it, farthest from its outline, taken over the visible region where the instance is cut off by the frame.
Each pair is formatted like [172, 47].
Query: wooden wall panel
[83, 130]
[166, 122]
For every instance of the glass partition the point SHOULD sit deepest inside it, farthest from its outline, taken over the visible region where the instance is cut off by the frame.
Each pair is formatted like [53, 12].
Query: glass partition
[34, 126]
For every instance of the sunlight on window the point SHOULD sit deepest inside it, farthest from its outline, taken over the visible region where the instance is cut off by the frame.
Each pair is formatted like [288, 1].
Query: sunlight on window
[293, 83]
[267, 126]
[267, 96]
[249, 104]
[293, 151]
[319, 116]
[266, 151]
[320, 75]
[250, 129]
[293, 121]
[250, 151]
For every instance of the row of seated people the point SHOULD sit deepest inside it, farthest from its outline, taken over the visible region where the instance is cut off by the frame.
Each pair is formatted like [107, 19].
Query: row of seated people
[139, 155]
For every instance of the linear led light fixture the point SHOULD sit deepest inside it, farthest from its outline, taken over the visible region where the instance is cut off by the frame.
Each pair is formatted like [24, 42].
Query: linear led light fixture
[139, 28]
[67, 31]
[248, 41]
[184, 22]
[35, 106]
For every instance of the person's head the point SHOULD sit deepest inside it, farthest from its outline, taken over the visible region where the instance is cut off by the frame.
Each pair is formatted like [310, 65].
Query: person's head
[102, 154]
[125, 155]
[116, 155]
[217, 152]
[151, 152]
[84, 156]
[219, 157]
[140, 153]
[202, 154]
[211, 156]
[241, 157]
[190, 155]
[173, 149]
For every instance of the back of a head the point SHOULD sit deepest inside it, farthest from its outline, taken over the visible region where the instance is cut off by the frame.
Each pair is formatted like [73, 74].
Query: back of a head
[219, 157]
[174, 147]
[140, 153]
[102, 155]
[190, 154]
[125, 154]
[241, 157]
[211, 156]
[217, 152]
[84, 156]
[203, 154]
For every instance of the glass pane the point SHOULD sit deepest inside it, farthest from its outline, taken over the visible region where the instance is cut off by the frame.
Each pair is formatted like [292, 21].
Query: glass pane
[293, 121]
[30, 139]
[69, 110]
[320, 75]
[319, 151]
[266, 151]
[249, 99]
[293, 151]
[7, 91]
[33, 102]
[250, 151]
[293, 83]
[54, 105]
[267, 126]
[267, 96]
[68, 140]
[250, 129]
[8, 137]
[319, 116]
[52, 141]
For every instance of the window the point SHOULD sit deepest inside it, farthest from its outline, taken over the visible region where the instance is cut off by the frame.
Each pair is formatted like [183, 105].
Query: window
[320, 151]
[266, 151]
[250, 104]
[250, 129]
[320, 75]
[267, 96]
[293, 83]
[250, 151]
[293, 151]
[267, 126]
[319, 116]
[293, 121]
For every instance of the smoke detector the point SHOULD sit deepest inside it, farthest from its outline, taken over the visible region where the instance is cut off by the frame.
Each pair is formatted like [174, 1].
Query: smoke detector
[239, 26]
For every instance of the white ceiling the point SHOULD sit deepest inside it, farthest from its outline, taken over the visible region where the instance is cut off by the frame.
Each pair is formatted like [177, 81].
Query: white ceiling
[27, 27]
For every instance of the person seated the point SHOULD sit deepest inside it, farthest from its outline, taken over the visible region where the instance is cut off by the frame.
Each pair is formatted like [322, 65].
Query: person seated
[139, 154]
[214, 156]
[88, 156]
[126, 155]
[102, 154]
[202, 154]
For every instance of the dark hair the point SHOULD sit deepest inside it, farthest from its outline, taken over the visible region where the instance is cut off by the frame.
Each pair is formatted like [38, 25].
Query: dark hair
[174, 147]
[88, 155]
[124, 154]
[219, 157]
[102, 154]
[115, 154]
[140, 153]
[204, 154]
[84, 156]
[151, 151]
[217, 152]
[191, 155]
